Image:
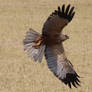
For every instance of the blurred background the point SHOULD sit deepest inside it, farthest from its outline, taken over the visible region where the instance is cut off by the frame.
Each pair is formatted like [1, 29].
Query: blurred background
[18, 73]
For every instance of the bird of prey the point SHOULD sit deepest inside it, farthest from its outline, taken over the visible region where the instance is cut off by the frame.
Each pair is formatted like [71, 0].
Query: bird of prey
[50, 44]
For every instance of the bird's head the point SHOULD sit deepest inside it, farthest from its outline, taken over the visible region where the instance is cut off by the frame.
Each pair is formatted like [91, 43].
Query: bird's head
[67, 37]
[64, 37]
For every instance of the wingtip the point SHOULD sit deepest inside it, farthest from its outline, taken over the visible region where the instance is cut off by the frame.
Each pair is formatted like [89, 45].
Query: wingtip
[63, 8]
[67, 9]
[58, 8]
[71, 79]
[67, 13]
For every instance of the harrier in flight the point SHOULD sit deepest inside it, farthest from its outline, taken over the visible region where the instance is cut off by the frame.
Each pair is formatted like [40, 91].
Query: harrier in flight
[50, 44]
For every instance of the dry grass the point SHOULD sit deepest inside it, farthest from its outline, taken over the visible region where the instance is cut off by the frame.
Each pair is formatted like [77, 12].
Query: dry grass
[18, 73]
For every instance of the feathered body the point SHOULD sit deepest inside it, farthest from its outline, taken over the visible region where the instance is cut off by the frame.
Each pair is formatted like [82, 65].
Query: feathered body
[50, 44]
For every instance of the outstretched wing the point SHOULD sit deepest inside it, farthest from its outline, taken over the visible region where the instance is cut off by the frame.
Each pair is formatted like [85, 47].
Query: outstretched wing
[60, 65]
[58, 20]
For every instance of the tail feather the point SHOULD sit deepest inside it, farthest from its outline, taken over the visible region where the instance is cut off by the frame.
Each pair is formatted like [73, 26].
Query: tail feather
[40, 54]
[30, 36]
[35, 53]
[28, 46]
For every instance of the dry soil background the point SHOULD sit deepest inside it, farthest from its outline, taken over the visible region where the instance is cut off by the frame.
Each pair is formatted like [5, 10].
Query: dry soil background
[18, 73]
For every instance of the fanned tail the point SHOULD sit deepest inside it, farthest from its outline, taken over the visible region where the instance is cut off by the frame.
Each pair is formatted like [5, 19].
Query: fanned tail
[30, 42]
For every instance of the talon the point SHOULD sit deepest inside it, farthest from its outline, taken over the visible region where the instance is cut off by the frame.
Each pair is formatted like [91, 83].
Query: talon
[37, 45]
[38, 42]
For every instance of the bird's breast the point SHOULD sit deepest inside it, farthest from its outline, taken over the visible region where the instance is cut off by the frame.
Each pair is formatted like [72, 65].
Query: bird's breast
[51, 39]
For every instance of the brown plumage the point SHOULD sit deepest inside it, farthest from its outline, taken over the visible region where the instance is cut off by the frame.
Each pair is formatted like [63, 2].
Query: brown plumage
[51, 43]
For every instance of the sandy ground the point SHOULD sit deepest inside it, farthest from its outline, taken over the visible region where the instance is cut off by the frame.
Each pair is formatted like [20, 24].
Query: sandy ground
[18, 73]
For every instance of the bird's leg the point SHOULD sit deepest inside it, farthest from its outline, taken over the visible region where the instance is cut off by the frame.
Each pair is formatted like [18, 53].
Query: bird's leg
[38, 39]
[38, 42]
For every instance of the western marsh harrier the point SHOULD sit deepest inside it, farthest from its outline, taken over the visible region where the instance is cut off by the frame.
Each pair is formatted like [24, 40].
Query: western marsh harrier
[50, 44]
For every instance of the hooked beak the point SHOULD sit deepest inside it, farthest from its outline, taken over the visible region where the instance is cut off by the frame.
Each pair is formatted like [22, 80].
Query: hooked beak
[67, 36]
